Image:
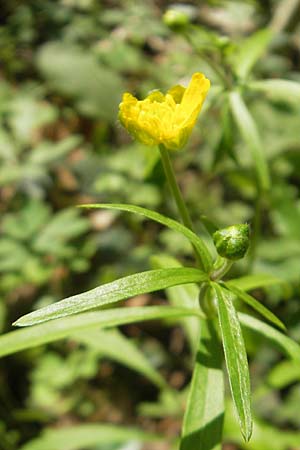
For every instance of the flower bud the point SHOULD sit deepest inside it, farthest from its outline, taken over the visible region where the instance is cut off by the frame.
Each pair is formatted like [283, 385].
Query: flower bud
[178, 17]
[232, 242]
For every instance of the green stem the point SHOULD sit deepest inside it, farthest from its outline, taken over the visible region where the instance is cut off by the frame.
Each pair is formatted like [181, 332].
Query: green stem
[256, 231]
[220, 74]
[182, 209]
[221, 267]
[184, 214]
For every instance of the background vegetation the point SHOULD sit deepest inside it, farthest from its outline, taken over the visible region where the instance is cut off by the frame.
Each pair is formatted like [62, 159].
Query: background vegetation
[64, 67]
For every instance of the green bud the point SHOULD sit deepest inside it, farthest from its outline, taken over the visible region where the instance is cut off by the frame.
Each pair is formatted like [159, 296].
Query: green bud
[232, 242]
[178, 16]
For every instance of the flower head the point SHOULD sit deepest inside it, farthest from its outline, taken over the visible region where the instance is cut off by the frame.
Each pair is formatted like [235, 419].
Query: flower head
[165, 119]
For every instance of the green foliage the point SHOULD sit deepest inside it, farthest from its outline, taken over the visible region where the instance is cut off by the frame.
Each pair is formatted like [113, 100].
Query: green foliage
[203, 420]
[65, 65]
[140, 283]
[88, 435]
[77, 75]
[42, 334]
[236, 359]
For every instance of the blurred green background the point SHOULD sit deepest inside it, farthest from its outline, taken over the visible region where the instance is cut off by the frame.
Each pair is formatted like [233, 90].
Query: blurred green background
[64, 67]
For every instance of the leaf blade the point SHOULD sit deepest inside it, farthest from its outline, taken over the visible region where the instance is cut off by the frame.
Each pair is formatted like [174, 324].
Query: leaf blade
[236, 359]
[86, 435]
[250, 134]
[170, 223]
[203, 419]
[30, 337]
[277, 89]
[184, 295]
[140, 283]
[281, 341]
[249, 282]
[250, 51]
[259, 307]
[109, 343]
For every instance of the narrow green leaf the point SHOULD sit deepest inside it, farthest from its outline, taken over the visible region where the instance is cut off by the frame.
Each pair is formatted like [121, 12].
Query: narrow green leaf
[283, 90]
[114, 345]
[170, 223]
[251, 301]
[139, 283]
[203, 419]
[236, 359]
[24, 339]
[184, 295]
[250, 50]
[280, 340]
[249, 131]
[88, 435]
[284, 373]
[254, 281]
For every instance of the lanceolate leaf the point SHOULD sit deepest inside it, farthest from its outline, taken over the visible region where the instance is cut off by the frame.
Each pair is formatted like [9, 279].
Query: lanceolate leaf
[26, 338]
[173, 224]
[283, 90]
[236, 359]
[109, 342]
[251, 49]
[251, 136]
[184, 295]
[139, 283]
[280, 340]
[251, 301]
[87, 435]
[249, 282]
[203, 419]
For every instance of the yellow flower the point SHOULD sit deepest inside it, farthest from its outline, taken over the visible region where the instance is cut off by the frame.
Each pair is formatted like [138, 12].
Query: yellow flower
[165, 119]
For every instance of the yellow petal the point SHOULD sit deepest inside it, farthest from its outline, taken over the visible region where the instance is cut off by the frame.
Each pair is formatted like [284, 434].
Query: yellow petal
[194, 95]
[156, 95]
[177, 93]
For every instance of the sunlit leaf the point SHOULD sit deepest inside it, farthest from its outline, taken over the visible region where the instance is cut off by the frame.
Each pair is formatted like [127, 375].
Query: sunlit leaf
[236, 359]
[139, 283]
